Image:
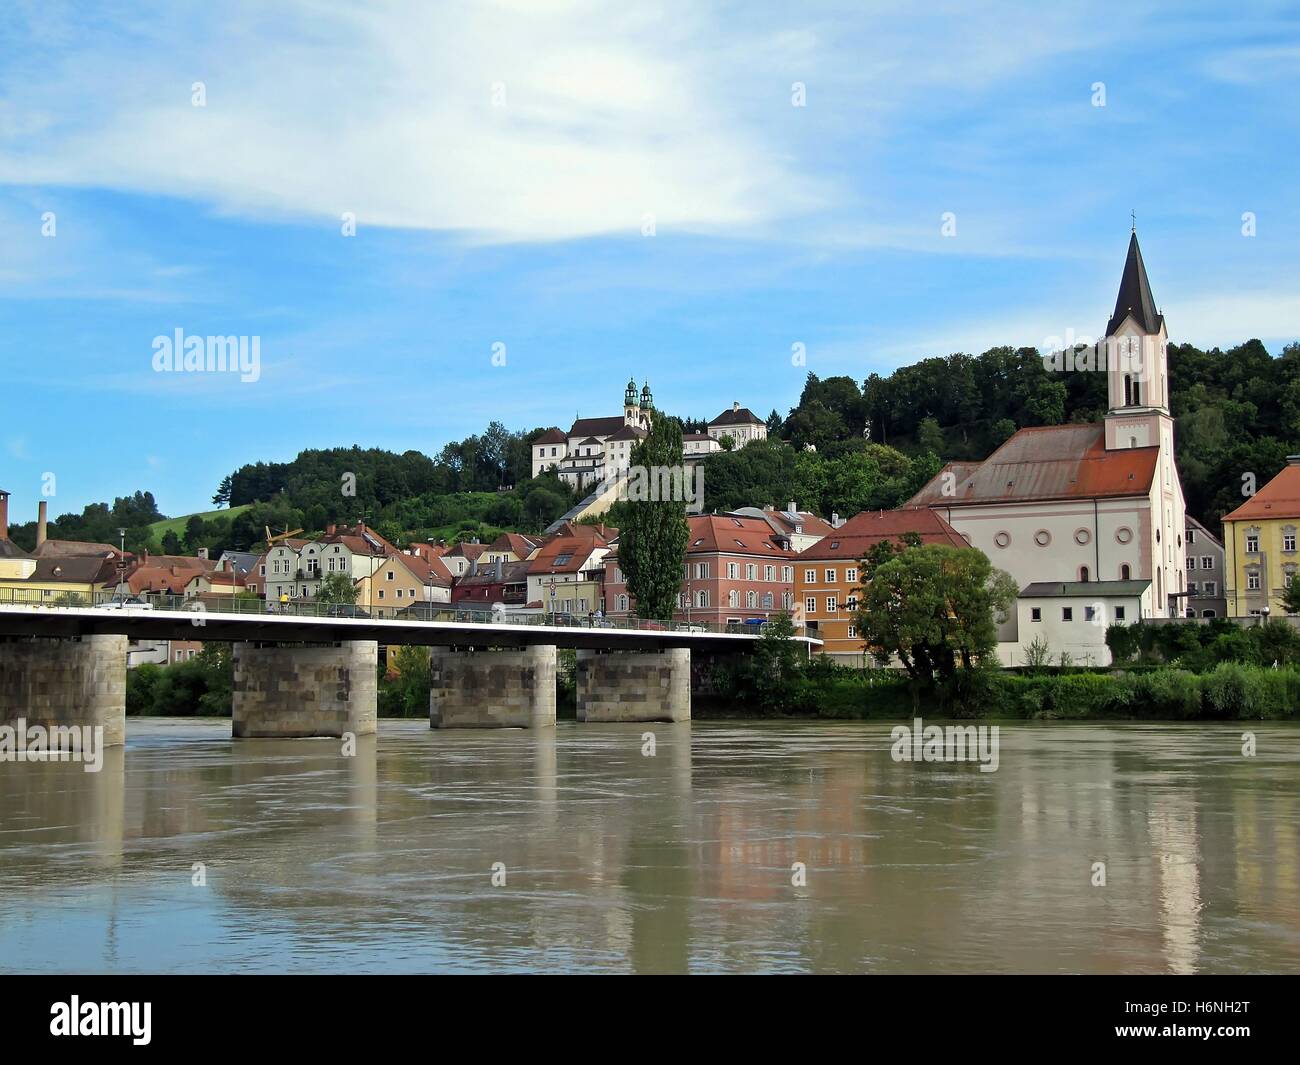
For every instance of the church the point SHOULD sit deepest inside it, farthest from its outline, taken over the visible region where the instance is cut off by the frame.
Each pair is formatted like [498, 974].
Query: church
[1088, 519]
[594, 448]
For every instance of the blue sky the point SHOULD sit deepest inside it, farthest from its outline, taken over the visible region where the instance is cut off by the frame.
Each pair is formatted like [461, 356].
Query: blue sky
[502, 160]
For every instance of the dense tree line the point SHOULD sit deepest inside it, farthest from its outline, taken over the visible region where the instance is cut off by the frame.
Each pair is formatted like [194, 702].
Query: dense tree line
[98, 523]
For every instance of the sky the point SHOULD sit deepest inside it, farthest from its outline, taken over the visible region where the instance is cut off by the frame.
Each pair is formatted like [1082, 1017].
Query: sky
[433, 215]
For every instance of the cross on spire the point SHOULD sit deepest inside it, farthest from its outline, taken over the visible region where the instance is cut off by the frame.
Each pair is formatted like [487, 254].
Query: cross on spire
[1134, 216]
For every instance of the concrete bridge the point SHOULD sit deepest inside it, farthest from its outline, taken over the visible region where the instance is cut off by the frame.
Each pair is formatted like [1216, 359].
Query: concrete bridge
[313, 674]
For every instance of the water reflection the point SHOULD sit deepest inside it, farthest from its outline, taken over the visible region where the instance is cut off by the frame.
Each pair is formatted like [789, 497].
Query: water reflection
[583, 847]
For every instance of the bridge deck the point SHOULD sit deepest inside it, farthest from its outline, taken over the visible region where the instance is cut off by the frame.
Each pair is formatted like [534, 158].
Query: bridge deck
[279, 628]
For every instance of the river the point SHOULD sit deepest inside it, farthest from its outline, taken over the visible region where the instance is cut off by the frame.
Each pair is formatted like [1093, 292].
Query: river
[732, 847]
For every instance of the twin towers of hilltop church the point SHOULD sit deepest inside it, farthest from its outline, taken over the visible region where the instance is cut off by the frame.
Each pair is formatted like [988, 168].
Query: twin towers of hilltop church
[637, 415]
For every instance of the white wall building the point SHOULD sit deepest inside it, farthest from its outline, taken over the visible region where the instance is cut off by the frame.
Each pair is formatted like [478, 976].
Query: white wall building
[1082, 503]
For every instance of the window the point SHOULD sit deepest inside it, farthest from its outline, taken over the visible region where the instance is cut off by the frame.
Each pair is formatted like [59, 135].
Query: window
[767, 600]
[751, 572]
[681, 601]
[1035, 613]
[751, 600]
[733, 571]
[1119, 613]
[810, 576]
[853, 631]
[1083, 574]
[1252, 581]
[1191, 561]
[701, 598]
[1207, 613]
[1207, 562]
[1288, 541]
[1089, 613]
[810, 605]
[1191, 536]
[831, 604]
[381, 593]
[830, 576]
[769, 573]
[1211, 588]
[1252, 542]
[851, 575]
[622, 602]
[787, 574]
[389, 575]
[1191, 588]
[851, 603]
[733, 598]
[1067, 613]
[563, 559]
[701, 570]
[1125, 572]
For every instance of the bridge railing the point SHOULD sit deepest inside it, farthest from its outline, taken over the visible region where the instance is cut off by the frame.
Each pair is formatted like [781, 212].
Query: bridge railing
[434, 613]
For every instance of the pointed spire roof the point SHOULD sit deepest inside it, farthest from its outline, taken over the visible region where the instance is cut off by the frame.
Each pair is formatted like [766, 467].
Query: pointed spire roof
[1135, 294]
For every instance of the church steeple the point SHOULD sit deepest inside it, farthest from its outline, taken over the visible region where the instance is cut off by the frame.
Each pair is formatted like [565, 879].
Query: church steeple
[1135, 295]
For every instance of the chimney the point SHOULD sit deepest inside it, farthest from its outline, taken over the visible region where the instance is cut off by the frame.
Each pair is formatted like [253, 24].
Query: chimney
[835, 520]
[475, 540]
[735, 405]
[473, 567]
[794, 507]
[501, 567]
[40, 523]
[329, 529]
[4, 515]
[202, 552]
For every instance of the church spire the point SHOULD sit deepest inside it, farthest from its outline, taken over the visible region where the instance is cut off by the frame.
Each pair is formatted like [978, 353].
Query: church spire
[1134, 294]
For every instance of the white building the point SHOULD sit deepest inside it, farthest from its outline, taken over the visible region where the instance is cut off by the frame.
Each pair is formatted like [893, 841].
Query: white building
[739, 423]
[1071, 618]
[594, 448]
[1082, 503]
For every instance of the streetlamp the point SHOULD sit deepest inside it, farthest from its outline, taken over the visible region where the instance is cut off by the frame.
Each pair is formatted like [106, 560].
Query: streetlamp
[551, 587]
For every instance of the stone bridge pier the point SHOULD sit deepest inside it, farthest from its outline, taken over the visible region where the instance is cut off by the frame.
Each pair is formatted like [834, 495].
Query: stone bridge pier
[66, 681]
[634, 685]
[293, 690]
[492, 689]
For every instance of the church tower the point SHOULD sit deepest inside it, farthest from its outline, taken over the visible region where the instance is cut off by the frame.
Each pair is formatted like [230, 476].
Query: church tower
[1137, 368]
[1136, 353]
[631, 411]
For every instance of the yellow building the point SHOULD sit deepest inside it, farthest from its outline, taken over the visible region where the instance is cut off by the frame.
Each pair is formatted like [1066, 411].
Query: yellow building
[1259, 546]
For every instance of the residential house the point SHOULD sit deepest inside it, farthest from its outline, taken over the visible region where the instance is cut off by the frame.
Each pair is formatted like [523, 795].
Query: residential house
[460, 558]
[828, 574]
[511, 547]
[499, 582]
[566, 575]
[1259, 546]
[736, 568]
[403, 580]
[1206, 597]
[1068, 619]
[741, 424]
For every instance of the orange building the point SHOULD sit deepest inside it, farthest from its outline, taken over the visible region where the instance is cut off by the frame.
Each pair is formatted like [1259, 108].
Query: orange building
[828, 575]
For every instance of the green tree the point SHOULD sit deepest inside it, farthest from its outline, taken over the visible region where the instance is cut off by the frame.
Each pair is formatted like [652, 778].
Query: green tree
[652, 543]
[1291, 600]
[337, 588]
[936, 608]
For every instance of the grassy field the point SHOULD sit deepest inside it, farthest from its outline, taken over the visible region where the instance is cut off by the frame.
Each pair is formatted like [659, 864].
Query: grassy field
[159, 529]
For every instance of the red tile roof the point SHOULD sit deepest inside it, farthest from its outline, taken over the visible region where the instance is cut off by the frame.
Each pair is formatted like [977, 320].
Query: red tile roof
[1051, 462]
[862, 532]
[551, 436]
[1280, 498]
[713, 533]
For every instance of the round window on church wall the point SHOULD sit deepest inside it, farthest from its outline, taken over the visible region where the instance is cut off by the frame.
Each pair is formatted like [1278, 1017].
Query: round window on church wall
[1123, 534]
[1002, 539]
[1082, 536]
[1042, 538]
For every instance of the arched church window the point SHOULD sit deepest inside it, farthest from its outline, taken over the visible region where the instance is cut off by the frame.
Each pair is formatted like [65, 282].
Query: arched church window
[1083, 574]
[1125, 573]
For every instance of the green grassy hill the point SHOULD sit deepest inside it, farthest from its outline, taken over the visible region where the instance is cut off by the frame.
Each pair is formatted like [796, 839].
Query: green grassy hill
[159, 529]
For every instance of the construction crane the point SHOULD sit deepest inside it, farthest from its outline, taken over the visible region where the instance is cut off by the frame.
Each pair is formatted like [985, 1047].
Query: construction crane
[270, 540]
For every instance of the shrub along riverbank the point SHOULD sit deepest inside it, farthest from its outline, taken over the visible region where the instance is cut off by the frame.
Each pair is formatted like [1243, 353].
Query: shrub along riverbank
[1230, 691]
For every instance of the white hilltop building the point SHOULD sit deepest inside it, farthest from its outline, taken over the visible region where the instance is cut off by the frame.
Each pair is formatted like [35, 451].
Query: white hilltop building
[595, 448]
[1088, 519]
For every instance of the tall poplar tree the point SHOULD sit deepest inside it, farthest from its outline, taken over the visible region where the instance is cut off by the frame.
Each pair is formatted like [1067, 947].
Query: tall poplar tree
[652, 541]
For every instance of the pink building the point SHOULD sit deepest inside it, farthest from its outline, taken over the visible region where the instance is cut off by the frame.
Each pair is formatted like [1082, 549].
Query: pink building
[736, 568]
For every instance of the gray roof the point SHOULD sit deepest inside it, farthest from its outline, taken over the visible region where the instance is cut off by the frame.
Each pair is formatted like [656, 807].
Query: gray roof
[9, 549]
[1083, 589]
[1135, 294]
[743, 416]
